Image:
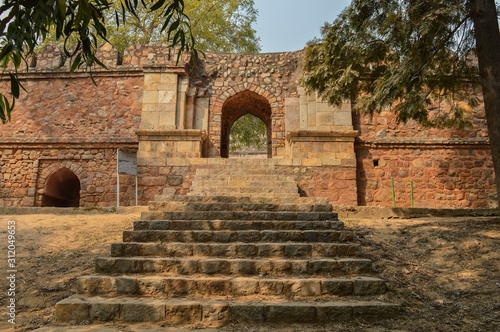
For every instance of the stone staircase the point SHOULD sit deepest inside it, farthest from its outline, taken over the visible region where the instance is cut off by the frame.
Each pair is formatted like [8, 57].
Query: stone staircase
[245, 178]
[214, 260]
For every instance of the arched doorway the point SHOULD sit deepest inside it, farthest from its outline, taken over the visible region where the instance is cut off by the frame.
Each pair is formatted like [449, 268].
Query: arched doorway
[245, 102]
[62, 189]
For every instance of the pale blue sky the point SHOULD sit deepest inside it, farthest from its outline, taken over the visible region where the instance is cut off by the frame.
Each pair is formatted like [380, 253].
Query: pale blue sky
[287, 25]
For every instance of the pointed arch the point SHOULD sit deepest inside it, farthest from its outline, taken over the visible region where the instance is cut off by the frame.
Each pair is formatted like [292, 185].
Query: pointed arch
[242, 103]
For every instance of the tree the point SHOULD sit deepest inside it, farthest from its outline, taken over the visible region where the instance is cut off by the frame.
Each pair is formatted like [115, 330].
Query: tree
[26, 23]
[220, 26]
[408, 54]
[248, 132]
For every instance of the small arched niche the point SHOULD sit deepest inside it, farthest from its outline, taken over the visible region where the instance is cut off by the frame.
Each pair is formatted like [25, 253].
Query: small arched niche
[62, 189]
[243, 103]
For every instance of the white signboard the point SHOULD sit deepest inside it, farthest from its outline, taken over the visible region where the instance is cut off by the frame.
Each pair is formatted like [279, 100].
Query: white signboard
[127, 162]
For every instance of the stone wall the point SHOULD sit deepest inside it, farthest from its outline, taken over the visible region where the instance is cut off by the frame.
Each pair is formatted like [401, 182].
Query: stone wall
[450, 168]
[25, 169]
[176, 116]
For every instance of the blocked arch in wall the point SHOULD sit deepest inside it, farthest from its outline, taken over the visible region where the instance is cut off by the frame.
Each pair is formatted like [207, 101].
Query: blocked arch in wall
[232, 99]
[60, 185]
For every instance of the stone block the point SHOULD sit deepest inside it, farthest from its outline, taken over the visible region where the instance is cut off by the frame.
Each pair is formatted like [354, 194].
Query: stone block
[244, 286]
[338, 287]
[139, 311]
[303, 288]
[168, 78]
[247, 312]
[125, 285]
[167, 97]
[104, 312]
[183, 313]
[342, 118]
[72, 310]
[368, 286]
[216, 313]
[332, 312]
[150, 97]
[290, 312]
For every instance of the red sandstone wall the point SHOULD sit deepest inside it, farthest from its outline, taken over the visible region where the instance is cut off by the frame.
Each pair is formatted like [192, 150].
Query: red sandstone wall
[442, 178]
[336, 183]
[24, 171]
[450, 168]
[71, 106]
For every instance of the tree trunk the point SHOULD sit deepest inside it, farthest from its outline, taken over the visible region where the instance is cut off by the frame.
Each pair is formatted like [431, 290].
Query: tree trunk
[484, 16]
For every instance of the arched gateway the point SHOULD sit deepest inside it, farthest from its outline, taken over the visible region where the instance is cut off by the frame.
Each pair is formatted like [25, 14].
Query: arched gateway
[245, 102]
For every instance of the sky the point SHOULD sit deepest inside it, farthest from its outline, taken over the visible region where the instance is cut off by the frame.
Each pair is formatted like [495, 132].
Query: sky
[287, 25]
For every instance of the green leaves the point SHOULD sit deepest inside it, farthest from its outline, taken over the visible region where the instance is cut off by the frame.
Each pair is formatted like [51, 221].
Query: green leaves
[404, 55]
[248, 131]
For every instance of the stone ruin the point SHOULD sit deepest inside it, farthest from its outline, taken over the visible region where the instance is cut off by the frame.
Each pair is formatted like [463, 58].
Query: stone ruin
[177, 116]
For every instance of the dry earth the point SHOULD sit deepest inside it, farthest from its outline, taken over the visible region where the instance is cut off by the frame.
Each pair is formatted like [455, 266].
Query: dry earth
[444, 271]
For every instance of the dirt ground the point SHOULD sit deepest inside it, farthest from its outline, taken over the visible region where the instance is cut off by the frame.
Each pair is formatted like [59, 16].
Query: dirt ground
[445, 272]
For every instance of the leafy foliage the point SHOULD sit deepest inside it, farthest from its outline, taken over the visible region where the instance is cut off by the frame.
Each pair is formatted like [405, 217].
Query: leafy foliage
[409, 55]
[27, 23]
[220, 26]
[248, 131]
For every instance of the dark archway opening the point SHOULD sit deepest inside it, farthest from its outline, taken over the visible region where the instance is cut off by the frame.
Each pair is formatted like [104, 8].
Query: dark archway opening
[62, 189]
[246, 102]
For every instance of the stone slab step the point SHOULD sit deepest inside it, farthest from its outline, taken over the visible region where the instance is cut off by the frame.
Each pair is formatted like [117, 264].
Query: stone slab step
[238, 225]
[226, 190]
[238, 170]
[241, 199]
[166, 236]
[234, 250]
[202, 206]
[244, 177]
[271, 267]
[242, 184]
[164, 286]
[284, 197]
[79, 309]
[238, 215]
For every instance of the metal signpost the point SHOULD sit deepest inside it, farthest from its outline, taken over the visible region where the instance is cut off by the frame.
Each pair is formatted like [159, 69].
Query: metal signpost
[126, 164]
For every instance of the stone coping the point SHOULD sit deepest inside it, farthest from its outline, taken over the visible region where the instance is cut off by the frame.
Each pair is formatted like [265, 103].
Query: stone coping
[329, 135]
[373, 212]
[171, 135]
[422, 141]
[277, 161]
[344, 211]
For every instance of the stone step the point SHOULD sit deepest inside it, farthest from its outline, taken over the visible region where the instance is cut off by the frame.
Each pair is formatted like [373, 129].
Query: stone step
[271, 267]
[252, 236]
[245, 177]
[238, 170]
[202, 206]
[257, 190]
[234, 250]
[238, 225]
[241, 199]
[269, 196]
[78, 309]
[238, 215]
[212, 162]
[246, 183]
[193, 286]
